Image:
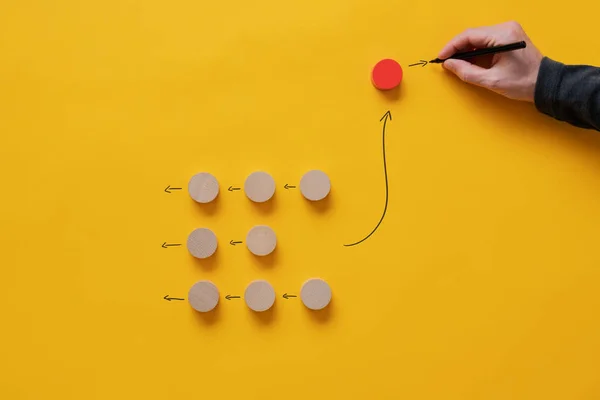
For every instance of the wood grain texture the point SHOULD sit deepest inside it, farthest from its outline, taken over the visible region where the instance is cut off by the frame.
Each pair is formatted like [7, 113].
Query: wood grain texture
[202, 243]
[259, 295]
[261, 240]
[315, 185]
[203, 187]
[203, 296]
[259, 187]
[315, 294]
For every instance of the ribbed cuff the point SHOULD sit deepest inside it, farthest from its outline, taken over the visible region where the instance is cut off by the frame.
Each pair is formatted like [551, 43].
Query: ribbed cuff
[546, 86]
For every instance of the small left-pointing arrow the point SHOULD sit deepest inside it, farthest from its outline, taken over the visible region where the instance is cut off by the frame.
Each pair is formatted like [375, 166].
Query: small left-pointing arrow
[167, 298]
[229, 297]
[287, 296]
[232, 189]
[233, 243]
[165, 245]
[169, 188]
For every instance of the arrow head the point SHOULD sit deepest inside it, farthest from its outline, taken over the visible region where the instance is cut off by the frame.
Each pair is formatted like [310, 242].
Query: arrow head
[285, 296]
[164, 245]
[231, 243]
[167, 189]
[167, 298]
[228, 297]
[230, 188]
[387, 115]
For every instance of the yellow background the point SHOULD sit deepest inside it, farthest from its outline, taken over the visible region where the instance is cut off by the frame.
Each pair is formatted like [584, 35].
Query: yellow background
[481, 283]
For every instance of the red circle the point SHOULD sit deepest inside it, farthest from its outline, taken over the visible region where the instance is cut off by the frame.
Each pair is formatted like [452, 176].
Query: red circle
[387, 74]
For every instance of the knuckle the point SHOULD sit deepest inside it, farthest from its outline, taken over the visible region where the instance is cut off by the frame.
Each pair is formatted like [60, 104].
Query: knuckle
[515, 28]
[492, 83]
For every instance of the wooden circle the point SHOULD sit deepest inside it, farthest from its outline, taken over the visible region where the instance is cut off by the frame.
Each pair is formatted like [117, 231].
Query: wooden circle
[315, 185]
[261, 240]
[259, 296]
[202, 243]
[203, 187]
[315, 294]
[203, 296]
[386, 75]
[259, 187]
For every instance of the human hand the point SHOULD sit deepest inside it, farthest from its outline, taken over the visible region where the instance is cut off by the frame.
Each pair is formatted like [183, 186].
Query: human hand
[512, 74]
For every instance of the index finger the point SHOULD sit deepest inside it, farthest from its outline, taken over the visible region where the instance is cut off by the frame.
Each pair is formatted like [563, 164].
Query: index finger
[468, 40]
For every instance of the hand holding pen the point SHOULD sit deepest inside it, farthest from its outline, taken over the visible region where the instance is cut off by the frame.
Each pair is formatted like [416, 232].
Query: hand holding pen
[511, 72]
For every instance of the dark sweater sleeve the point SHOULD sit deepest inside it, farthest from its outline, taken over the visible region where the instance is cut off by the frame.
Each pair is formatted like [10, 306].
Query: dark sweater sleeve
[569, 93]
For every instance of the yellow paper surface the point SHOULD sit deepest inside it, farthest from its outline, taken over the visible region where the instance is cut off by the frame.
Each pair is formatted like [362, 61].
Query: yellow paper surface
[482, 282]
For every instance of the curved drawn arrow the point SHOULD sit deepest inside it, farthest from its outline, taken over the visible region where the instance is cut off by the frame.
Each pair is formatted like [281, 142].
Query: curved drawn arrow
[386, 116]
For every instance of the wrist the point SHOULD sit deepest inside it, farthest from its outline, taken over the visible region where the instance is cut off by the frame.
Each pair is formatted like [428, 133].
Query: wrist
[532, 81]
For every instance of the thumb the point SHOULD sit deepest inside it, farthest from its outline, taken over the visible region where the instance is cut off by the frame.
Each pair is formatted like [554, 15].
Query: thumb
[466, 71]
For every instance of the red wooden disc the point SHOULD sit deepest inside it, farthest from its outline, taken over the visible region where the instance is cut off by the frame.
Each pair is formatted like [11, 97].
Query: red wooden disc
[387, 74]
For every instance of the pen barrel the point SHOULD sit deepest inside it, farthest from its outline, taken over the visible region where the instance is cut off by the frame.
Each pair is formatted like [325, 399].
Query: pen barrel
[489, 50]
